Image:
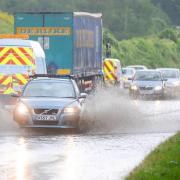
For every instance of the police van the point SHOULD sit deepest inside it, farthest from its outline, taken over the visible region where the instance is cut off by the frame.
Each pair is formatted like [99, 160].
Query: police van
[19, 58]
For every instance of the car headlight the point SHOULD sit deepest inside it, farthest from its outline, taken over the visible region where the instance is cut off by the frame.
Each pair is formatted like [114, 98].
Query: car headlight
[125, 78]
[21, 109]
[71, 110]
[158, 88]
[133, 87]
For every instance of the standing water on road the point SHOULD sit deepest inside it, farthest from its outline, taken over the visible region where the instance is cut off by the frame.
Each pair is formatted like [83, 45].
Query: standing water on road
[121, 132]
[112, 111]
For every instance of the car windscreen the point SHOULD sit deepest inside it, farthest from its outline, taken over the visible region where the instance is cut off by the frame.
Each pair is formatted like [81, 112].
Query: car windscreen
[147, 76]
[138, 68]
[49, 89]
[127, 71]
[170, 74]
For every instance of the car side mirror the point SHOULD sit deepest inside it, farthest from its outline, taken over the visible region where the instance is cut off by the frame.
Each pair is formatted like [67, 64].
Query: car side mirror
[83, 95]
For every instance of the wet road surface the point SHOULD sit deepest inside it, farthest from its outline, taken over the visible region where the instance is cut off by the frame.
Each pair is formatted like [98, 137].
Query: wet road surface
[107, 155]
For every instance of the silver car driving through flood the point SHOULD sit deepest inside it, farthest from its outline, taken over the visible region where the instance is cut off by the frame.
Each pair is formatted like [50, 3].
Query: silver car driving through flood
[147, 83]
[172, 85]
[49, 103]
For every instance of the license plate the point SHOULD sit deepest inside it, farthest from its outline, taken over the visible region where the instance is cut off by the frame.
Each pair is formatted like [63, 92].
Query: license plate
[146, 92]
[45, 118]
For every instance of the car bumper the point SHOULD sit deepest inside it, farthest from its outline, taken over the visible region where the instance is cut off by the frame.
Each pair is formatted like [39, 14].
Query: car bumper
[64, 121]
[150, 93]
[49, 126]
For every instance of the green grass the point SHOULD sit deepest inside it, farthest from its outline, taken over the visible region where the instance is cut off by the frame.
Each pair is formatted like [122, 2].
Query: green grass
[161, 164]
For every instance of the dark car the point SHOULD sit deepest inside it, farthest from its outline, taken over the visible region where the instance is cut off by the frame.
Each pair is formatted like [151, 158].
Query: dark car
[147, 83]
[48, 102]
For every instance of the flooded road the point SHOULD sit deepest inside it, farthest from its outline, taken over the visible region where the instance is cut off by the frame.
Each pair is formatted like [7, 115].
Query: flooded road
[107, 153]
[74, 157]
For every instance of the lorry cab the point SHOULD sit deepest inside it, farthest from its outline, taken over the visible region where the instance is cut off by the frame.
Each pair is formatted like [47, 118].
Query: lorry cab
[112, 71]
[19, 58]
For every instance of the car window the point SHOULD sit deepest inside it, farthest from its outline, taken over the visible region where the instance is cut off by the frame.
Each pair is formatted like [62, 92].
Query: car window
[49, 89]
[147, 76]
[138, 68]
[127, 72]
[170, 74]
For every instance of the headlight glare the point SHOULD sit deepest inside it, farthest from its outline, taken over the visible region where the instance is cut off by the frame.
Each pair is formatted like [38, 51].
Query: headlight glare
[125, 78]
[21, 109]
[158, 88]
[71, 110]
[133, 87]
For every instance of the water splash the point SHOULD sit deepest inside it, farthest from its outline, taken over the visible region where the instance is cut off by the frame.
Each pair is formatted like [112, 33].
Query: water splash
[109, 110]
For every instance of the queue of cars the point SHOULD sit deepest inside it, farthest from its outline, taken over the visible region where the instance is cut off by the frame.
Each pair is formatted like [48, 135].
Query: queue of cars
[52, 101]
[161, 82]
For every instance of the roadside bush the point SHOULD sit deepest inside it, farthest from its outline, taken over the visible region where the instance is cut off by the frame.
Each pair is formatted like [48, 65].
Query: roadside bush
[169, 34]
[6, 23]
[151, 51]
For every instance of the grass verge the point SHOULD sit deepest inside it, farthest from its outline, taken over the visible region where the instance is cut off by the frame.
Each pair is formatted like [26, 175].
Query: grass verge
[162, 163]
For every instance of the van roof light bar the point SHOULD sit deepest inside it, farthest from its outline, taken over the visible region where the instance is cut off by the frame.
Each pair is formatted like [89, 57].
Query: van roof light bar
[51, 76]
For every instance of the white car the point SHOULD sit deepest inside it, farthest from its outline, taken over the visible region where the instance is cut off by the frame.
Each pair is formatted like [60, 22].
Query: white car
[137, 67]
[128, 74]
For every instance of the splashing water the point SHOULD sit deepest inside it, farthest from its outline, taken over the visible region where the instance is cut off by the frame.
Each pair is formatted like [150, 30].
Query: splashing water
[6, 121]
[110, 110]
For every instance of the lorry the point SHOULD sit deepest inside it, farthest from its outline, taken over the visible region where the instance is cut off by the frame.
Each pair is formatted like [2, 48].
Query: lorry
[72, 42]
[19, 59]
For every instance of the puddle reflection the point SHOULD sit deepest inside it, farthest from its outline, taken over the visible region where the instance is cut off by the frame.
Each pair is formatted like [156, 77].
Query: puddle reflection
[72, 165]
[22, 160]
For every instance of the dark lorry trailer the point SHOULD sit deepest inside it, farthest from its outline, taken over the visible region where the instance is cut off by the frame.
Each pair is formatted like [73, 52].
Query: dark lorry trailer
[72, 41]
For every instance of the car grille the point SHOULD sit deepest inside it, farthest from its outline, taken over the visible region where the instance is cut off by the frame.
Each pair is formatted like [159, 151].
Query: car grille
[45, 122]
[46, 111]
[146, 88]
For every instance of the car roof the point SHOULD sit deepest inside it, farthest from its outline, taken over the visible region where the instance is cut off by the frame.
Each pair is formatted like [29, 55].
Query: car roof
[45, 79]
[128, 68]
[38, 51]
[168, 69]
[148, 70]
[136, 66]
